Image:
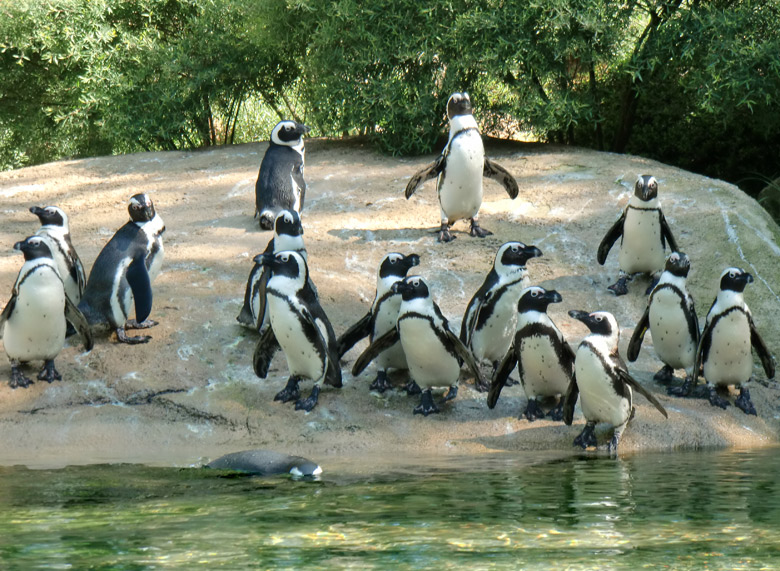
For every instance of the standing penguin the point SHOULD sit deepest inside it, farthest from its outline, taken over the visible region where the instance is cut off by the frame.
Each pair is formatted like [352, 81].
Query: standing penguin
[382, 318]
[644, 234]
[544, 359]
[280, 184]
[671, 317]
[724, 352]
[33, 322]
[433, 353]
[300, 327]
[460, 169]
[55, 231]
[602, 381]
[491, 316]
[123, 271]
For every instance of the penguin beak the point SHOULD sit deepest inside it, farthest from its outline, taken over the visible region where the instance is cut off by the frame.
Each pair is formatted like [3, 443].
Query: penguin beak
[553, 296]
[20, 245]
[532, 252]
[748, 278]
[37, 210]
[399, 287]
[265, 260]
[580, 315]
[411, 261]
[302, 129]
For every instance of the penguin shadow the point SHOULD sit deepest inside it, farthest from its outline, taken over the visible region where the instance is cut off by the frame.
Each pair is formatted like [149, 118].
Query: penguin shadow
[396, 234]
[239, 221]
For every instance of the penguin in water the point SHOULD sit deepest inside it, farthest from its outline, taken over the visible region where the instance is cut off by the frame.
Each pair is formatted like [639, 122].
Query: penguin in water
[280, 184]
[544, 359]
[643, 234]
[382, 318]
[491, 316]
[602, 381]
[300, 327]
[433, 353]
[671, 317]
[123, 272]
[55, 231]
[724, 352]
[33, 322]
[288, 235]
[460, 169]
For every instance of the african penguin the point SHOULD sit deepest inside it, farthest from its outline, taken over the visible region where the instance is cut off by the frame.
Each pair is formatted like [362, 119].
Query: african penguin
[543, 357]
[55, 231]
[602, 381]
[382, 317]
[33, 322]
[643, 234]
[724, 353]
[489, 321]
[433, 353]
[671, 317]
[460, 169]
[123, 271]
[280, 183]
[300, 327]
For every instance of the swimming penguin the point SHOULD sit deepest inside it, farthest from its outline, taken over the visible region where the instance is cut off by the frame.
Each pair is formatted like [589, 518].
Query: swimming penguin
[544, 359]
[382, 318]
[644, 234]
[288, 235]
[123, 271]
[460, 169]
[602, 381]
[280, 184]
[266, 463]
[55, 231]
[433, 353]
[671, 317]
[300, 327]
[724, 352]
[489, 321]
[33, 322]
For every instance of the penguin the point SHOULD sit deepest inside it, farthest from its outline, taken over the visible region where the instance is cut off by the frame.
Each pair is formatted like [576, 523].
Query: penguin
[280, 184]
[544, 359]
[288, 235]
[460, 169]
[643, 233]
[300, 327]
[433, 352]
[602, 381]
[382, 317]
[123, 271]
[489, 321]
[55, 231]
[724, 353]
[267, 463]
[671, 317]
[33, 322]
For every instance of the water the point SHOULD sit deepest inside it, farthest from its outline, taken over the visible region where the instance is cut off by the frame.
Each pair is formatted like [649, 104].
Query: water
[713, 510]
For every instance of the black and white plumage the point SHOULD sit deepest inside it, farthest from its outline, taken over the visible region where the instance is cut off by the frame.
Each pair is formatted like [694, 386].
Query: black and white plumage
[382, 317]
[433, 352]
[280, 183]
[33, 322]
[300, 327]
[545, 361]
[670, 316]
[55, 231]
[123, 272]
[489, 322]
[602, 381]
[643, 233]
[459, 171]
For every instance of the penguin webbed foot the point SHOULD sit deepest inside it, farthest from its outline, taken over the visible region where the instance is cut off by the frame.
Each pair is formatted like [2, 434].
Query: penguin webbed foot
[744, 403]
[309, 402]
[49, 373]
[716, 400]
[665, 376]
[426, 406]
[533, 411]
[381, 383]
[556, 413]
[620, 287]
[683, 390]
[290, 392]
[587, 438]
[123, 337]
[451, 393]
[482, 386]
[145, 324]
[412, 388]
[445, 235]
[18, 380]
[478, 231]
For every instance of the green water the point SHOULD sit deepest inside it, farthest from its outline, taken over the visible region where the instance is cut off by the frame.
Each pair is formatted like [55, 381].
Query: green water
[713, 510]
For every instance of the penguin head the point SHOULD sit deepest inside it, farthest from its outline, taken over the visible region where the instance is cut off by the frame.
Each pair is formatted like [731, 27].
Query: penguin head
[289, 133]
[287, 263]
[734, 279]
[512, 255]
[536, 298]
[50, 216]
[33, 247]
[646, 187]
[140, 208]
[397, 265]
[305, 469]
[678, 264]
[459, 103]
[288, 223]
[599, 322]
[411, 287]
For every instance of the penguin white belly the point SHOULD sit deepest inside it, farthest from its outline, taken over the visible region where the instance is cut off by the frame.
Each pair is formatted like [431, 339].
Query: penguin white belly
[36, 329]
[543, 375]
[430, 365]
[640, 248]
[154, 230]
[493, 340]
[302, 357]
[669, 329]
[386, 318]
[598, 399]
[729, 360]
[460, 185]
[157, 260]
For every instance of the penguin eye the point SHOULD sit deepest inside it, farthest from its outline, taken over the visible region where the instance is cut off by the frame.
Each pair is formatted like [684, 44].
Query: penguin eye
[288, 218]
[393, 260]
[599, 318]
[534, 293]
[416, 283]
[515, 248]
[732, 274]
[285, 257]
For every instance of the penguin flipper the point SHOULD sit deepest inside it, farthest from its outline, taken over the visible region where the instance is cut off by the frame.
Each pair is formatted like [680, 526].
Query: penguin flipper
[77, 319]
[463, 353]
[639, 334]
[141, 286]
[609, 240]
[762, 350]
[265, 349]
[666, 233]
[693, 322]
[427, 173]
[502, 176]
[570, 401]
[502, 374]
[7, 311]
[374, 349]
[634, 384]
[354, 334]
